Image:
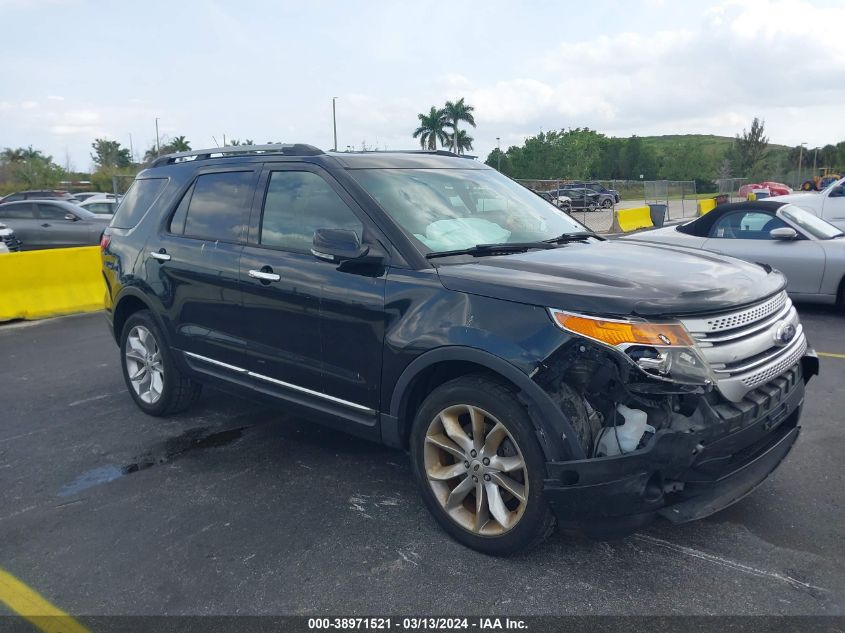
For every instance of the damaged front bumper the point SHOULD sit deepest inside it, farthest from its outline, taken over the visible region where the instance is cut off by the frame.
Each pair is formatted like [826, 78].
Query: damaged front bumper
[683, 475]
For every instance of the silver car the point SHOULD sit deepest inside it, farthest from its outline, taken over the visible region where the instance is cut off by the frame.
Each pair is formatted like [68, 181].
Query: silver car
[807, 249]
[52, 224]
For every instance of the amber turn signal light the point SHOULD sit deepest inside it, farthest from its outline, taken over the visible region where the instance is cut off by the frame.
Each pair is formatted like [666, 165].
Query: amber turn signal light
[621, 332]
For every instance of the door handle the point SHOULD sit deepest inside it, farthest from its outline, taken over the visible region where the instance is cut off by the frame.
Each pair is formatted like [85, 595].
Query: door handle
[265, 275]
[160, 255]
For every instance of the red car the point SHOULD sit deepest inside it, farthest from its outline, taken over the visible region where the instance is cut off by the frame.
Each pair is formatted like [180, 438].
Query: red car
[773, 188]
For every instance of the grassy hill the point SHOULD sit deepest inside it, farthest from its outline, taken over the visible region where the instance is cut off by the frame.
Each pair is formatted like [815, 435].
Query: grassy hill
[708, 143]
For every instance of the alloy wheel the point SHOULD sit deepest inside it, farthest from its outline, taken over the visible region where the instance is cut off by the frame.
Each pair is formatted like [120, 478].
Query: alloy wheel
[476, 470]
[144, 365]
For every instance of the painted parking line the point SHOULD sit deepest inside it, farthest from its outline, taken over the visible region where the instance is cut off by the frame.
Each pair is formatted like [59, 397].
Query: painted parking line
[830, 355]
[29, 604]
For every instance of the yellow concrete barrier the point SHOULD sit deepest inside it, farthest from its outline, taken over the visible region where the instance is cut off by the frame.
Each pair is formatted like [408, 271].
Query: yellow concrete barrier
[626, 220]
[706, 205]
[39, 284]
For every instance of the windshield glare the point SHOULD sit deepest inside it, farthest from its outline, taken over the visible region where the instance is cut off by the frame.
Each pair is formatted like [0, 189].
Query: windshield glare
[809, 223]
[453, 209]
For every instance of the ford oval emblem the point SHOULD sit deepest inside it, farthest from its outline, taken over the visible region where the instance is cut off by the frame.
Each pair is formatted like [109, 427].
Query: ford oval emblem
[784, 333]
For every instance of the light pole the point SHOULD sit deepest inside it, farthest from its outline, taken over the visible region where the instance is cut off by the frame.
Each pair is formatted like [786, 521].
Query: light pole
[815, 158]
[800, 160]
[334, 121]
[158, 146]
[498, 154]
[131, 150]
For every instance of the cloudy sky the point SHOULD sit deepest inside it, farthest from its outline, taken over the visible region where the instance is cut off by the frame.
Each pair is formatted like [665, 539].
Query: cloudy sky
[73, 70]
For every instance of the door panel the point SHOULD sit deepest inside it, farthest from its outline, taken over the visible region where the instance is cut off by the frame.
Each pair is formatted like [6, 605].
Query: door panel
[193, 266]
[317, 326]
[802, 261]
[833, 210]
[56, 231]
[198, 287]
[20, 217]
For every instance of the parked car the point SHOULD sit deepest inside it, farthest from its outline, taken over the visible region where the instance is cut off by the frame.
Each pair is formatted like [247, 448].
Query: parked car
[532, 368]
[585, 198]
[39, 194]
[767, 188]
[828, 204]
[82, 196]
[52, 224]
[561, 202]
[100, 206]
[808, 250]
[9, 243]
[597, 186]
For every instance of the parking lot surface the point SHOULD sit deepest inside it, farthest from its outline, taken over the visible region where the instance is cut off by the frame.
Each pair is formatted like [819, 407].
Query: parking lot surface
[236, 508]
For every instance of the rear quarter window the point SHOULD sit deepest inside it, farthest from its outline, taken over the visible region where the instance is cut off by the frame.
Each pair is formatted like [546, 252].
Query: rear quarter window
[137, 201]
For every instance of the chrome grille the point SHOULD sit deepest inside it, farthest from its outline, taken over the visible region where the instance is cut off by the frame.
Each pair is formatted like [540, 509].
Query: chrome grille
[741, 346]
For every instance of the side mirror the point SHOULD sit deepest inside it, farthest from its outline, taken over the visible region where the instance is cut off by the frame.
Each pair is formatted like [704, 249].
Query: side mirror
[337, 245]
[71, 217]
[783, 233]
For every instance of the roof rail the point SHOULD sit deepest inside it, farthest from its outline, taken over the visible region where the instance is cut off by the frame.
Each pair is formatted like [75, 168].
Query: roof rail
[284, 149]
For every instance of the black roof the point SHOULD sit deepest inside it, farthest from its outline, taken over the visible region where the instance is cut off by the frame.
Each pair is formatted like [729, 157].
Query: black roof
[702, 225]
[437, 159]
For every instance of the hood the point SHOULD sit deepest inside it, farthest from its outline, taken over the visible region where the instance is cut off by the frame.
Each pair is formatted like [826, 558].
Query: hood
[616, 278]
[795, 198]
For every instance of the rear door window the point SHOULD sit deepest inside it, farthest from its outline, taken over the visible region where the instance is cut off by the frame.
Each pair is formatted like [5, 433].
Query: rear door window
[219, 206]
[137, 201]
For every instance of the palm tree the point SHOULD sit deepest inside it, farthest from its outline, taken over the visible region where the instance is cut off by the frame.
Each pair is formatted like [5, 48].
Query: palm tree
[431, 129]
[9, 155]
[457, 112]
[180, 144]
[460, 141]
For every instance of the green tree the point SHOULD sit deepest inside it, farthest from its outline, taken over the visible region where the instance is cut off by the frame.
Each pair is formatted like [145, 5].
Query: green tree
[460, 142]
[180, 144]
[748, 148]
[432, 128]
[9, 155]
[457, 112]
[109, 154]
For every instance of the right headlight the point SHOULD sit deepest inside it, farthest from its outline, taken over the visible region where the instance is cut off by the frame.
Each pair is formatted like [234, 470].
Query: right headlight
[663, 350]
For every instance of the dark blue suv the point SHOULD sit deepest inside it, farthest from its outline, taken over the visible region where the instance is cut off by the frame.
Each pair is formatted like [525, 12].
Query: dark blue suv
[534, 370]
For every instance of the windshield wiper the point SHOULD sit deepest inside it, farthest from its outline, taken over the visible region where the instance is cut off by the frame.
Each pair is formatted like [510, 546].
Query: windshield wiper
[572, 237]
[483, 250]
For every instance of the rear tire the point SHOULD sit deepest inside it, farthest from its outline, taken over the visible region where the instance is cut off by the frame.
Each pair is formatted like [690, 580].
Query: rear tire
[154, 381]
[495, 504]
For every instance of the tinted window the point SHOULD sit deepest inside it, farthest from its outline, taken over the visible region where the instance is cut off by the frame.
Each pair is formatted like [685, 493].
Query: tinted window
[297, 204]
[218, 206]
[51, 212]
[177, 221]
[746, 225]
[17, 211]
[137, 202]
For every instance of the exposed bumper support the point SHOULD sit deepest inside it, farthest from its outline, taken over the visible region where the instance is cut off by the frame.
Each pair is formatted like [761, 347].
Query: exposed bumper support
[675, 476]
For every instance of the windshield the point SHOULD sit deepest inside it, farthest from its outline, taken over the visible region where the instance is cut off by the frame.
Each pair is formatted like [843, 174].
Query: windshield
[452, 209]
[809, 223]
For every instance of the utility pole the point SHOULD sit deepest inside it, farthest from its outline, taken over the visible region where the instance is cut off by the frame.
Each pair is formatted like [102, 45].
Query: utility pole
[815, 158]
[498, 154]
[131, 150]
[158, 144]
[334, 121]
[800, 161]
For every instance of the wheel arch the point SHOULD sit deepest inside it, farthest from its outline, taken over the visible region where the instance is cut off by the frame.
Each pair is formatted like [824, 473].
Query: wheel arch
[128, 303]
[555, 433]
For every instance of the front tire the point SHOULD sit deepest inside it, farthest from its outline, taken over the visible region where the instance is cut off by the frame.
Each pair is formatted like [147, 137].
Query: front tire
[152, 378]
[606, 203]
[479, 466]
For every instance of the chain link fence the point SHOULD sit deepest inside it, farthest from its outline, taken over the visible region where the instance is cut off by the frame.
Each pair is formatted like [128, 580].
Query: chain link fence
[679, 197]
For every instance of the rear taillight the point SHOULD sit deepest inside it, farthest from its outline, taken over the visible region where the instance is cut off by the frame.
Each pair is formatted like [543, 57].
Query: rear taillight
[105, 240]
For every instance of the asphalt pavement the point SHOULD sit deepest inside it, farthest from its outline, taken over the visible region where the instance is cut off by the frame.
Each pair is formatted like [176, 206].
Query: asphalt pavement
[236, 508]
